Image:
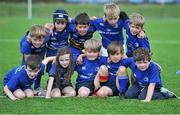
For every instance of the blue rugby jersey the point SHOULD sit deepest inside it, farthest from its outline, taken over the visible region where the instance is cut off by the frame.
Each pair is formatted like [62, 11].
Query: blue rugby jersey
[53, 72]
[28, 48]
[58, 40]
[18, 78]
[133, 42]
[107, 32]
[87, 70]
[144, 78]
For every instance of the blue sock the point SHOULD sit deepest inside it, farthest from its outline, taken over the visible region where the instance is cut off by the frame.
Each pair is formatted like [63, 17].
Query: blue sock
[37, 82]
[123, 82]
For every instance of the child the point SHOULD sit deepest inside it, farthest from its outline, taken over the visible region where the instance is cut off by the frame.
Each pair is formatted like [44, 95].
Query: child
[80, 31]
[60, 34]
[147, 84]
[34, 42]
[89, 68]
[110, 26]
[17, 83]
[60, 75]
[133, 27]
[112, 72]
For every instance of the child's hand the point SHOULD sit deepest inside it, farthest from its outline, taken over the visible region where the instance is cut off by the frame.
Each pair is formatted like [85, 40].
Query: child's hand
[48, 97]
[93, 18]
[14, 98]
[141, 35]
[145, 100]
[79, 60]
[50, 26]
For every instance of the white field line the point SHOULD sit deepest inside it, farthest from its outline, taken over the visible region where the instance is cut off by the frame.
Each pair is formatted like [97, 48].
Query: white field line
[151, 42]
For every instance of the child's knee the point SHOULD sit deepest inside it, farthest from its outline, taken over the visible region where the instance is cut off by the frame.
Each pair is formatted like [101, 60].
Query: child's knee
[83, 92]
[55, 92]
[102, 93]
[71, 93]
[103, 70]
[29, 94]
[19, 94]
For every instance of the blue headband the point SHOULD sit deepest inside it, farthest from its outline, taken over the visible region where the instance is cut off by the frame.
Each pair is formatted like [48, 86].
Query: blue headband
[60, 16]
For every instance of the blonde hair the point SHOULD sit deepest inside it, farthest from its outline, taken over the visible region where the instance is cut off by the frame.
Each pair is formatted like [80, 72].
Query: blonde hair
[37, 31]
[92, 45]
[111, 9]
[136, 19]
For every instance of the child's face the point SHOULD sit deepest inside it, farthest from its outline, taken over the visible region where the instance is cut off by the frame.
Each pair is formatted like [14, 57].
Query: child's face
[115, 58]
[32, 73]
[134, 29]
[82, 29]
[60, 24]
[91, 55]
[112, 20]
[64, 60]
[142, 65]
[37, 42]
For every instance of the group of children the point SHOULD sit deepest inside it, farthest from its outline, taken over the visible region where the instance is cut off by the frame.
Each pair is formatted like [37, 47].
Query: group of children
[101, 66]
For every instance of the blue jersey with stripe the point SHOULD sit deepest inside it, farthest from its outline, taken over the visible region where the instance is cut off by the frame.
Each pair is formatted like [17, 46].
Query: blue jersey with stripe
[108, 32]
[18, 78]
[144, 78]
[133, 42]
[56, 41]
[76, 38]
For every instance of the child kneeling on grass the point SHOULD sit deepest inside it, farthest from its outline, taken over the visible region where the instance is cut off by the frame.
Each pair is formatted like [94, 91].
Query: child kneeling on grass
[17, 83]
[147, 84]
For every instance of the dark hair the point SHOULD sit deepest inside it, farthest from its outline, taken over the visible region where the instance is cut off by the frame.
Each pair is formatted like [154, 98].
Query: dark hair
[33, 61]
[82, 18]
[141, 54]
[63, 51]
[113, 48]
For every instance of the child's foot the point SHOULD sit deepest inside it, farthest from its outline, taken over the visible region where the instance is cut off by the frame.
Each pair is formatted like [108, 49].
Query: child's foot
[39, 92]
[121, 95]
[170, 94]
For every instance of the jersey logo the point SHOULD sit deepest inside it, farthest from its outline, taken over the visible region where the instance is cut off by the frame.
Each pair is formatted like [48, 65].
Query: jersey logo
[101, 24]
[83, 68]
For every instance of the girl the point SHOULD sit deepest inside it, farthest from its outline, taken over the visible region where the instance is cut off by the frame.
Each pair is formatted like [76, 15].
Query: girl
[60, 75]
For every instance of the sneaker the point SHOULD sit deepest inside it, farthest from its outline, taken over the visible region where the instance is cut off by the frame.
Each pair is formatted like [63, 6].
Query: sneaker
[121, 95]
[39, 92]
[170, 94]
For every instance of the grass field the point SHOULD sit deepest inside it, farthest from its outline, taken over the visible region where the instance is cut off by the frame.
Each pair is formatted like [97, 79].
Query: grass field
[163, 34]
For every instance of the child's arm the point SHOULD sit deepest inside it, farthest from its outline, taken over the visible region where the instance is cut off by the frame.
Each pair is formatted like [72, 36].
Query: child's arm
[141, 34]
[96, 82]
[80, 59]
[49, 87]
[150, 92]
[9, 93]
[49, 26]
[48, 59]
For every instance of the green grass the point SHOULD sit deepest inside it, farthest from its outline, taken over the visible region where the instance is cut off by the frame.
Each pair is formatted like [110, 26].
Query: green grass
[164, 53]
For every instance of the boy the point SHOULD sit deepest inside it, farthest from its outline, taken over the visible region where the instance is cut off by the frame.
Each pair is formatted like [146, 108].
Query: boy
[133, 27]
[17, 83]
[109, 27]
[147, 84]
[34, 42]
[89, 68]
[60, 34]
[112, 72]
[80, 31]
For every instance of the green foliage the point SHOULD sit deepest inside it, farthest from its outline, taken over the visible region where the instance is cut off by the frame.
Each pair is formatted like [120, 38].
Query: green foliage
[163, 35]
